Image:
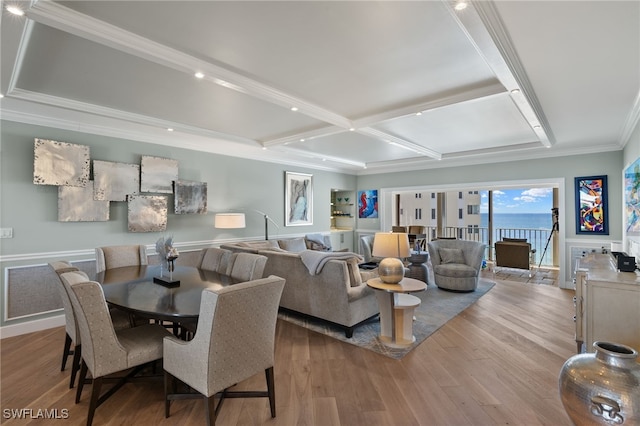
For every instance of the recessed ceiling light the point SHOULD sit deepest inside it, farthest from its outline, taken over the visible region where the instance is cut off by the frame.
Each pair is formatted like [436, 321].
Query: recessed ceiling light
[1, 96]
[15, 10]
[302, 140]
[460, 5]
[352, 129]
[419, 113]
[294, 109]
[514, 91]
[537, 126]
[169, 129]
[199, 75]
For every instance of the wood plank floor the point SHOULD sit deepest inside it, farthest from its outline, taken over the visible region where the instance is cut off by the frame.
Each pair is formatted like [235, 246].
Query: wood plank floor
[496, 363]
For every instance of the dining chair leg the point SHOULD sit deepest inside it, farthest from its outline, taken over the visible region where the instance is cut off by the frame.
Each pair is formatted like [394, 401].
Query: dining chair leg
[75, 367]
[83, 376]
[168, 379]
[271, 390]
[95, 395]
[66, 351]
[210, 410]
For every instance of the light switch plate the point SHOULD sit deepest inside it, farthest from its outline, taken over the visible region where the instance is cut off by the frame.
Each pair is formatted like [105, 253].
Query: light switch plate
[6, 232]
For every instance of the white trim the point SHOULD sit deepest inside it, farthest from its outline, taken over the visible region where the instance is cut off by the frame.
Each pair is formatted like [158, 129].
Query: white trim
[31, 326]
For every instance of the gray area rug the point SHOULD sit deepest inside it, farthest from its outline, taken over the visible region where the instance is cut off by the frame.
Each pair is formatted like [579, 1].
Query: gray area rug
[437, 307]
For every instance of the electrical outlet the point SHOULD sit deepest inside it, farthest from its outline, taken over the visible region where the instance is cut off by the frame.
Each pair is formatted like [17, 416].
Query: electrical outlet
[6, 232]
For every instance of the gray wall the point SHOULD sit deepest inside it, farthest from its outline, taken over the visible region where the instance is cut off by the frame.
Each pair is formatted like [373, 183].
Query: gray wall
[234, 184]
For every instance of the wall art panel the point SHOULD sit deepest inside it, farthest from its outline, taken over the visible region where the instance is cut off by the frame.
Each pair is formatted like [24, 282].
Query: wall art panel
[114, 181]
[158, 174]
[190, 197]
[60, 163]
[147, 213]
[76, 204]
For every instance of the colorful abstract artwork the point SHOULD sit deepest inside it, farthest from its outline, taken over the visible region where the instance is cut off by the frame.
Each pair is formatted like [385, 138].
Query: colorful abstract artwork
[368, 204]
[632, 198]
[591, 205]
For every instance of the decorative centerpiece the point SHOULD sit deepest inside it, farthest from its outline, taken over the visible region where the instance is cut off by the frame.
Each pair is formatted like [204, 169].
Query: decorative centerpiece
[168, 254]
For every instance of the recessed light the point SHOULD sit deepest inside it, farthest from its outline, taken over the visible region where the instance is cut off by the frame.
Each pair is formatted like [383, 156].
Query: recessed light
[199, 75]
[514, 91]
[460, 5]
[352, 129]
[169, 129]
[15, 10]
[419, 113]
[1, 96]
[294, 109]
[302, 140]
[537, 126]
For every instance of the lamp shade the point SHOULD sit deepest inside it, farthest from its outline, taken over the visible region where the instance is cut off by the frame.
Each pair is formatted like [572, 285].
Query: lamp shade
[391, 244]
[229, 220]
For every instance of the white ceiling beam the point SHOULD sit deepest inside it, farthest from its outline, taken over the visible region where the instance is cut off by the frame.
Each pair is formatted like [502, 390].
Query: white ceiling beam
[484, 28]
[389, 138]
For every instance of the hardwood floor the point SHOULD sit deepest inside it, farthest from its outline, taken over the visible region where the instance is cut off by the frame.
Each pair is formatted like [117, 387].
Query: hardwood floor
[496, 363]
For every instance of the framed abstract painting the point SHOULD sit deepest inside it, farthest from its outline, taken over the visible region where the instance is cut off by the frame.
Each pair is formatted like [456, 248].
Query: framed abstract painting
[368, 204]
[298, 199]
[591, 205]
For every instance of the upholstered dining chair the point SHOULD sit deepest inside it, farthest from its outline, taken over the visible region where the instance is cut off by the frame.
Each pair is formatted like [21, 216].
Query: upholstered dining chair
[104, 349]
[120, 320]
[402, 229]
[246, 266]
[117, 256]
[234, 341]
[214, 259]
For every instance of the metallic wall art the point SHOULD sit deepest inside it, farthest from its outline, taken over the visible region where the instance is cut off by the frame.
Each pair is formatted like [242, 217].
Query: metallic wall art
[190, 197]
[76, 204]
[147, 213]
[298, 199]
[60, 163]
[114, 181]
[158, 174]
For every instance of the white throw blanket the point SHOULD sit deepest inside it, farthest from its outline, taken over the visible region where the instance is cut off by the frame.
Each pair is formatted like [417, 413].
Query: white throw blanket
[315, 260]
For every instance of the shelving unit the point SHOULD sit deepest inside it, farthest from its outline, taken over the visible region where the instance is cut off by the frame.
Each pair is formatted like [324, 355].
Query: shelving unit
[342, 219]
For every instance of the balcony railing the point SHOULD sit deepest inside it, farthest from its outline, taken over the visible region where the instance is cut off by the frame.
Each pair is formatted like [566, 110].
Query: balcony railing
[536, 237]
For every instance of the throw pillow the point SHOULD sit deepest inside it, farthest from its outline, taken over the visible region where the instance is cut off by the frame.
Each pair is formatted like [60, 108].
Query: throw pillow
[295, 245]
[355, 279]
[451, 255]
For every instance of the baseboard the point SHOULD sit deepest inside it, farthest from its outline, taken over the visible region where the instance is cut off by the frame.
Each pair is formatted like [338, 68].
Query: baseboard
[31, 326]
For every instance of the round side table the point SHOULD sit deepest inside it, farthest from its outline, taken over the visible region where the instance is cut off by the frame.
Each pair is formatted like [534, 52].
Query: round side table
[418, 266]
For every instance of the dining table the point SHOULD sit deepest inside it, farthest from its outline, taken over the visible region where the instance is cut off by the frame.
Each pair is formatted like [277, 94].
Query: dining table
[139, 291]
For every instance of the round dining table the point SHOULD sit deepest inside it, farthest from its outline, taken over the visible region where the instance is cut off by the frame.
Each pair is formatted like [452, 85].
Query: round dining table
[133, 289]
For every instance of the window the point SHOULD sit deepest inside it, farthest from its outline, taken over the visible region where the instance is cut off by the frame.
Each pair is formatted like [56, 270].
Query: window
[460, 214]
[433, 195]
[418, 214]
[433, 214]
[460, 195]
[473, 209]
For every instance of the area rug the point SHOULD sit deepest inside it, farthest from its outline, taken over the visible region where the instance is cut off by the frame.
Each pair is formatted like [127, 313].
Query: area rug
[437, 307]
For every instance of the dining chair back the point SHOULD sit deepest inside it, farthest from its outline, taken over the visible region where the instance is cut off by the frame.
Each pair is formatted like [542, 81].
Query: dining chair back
[117, 256]
[234, 340]
[246, 266]
[215, 259]
[72, 335]
[402, 229]
[104, 349]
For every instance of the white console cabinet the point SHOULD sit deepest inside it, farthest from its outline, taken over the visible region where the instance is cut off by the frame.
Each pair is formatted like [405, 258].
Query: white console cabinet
[607, 303]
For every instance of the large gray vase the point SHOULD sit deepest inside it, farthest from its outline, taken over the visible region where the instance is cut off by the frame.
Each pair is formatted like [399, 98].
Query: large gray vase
[602, 388]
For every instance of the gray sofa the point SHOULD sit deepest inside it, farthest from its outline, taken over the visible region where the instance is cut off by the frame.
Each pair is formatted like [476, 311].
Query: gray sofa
[337, 293]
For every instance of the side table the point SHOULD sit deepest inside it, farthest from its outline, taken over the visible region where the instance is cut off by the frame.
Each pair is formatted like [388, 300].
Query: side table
[396, 310]
[417, 267]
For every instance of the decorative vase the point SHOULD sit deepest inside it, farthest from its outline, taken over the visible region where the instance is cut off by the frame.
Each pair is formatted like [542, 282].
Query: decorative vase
[602, 388]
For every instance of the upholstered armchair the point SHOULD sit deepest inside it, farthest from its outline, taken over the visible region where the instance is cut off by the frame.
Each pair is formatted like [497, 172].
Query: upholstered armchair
[104, 349]
[366, 249]
[234, 340]
[514, 253]
[118, 256]
[456, 263]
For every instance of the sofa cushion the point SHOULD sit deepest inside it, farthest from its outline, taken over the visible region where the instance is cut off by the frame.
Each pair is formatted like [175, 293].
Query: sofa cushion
[451, 255]
[259, 244]
[294, 245]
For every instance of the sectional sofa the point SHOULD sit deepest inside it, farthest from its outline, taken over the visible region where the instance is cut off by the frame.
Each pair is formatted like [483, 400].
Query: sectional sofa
[324, 285]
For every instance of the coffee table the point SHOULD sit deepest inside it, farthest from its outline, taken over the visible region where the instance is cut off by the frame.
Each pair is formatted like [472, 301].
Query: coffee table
[396, 310]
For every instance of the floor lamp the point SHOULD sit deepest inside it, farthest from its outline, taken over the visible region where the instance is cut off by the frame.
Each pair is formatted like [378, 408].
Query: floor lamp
[266, 223]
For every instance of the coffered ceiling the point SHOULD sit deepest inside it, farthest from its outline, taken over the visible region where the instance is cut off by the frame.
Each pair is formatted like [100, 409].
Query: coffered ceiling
[352, 86]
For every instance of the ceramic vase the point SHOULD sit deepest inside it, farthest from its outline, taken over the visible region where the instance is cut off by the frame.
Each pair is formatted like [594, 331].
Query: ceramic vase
[602, 388]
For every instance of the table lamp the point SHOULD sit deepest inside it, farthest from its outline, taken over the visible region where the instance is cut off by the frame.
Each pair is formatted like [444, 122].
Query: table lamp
[392, 246]
[229, 220]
